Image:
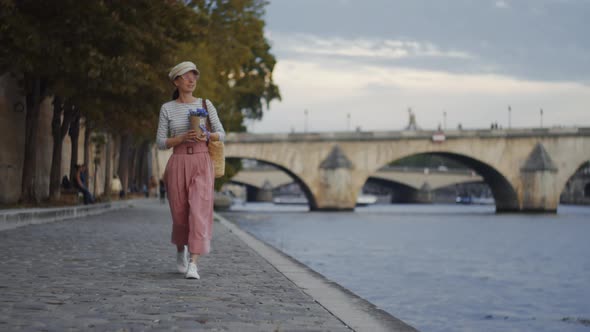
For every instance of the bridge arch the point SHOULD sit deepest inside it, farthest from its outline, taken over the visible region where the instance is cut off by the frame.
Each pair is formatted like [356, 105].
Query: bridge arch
[251, 191]
[297, 179]
[504, 193]
[402, 193]
[576, 189]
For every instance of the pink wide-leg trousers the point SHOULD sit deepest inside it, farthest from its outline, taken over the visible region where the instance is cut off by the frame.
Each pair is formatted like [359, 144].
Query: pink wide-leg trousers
[189, 181]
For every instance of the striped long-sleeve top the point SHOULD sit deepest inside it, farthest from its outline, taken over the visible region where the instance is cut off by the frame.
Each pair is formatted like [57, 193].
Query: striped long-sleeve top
[174, 120]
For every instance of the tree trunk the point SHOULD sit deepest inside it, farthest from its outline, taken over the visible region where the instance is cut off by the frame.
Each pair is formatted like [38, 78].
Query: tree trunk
[131, 168]
[146, 163]
[74, 133]
[56, 125]
[29, 178]
[87, 132]
[107, 168]
[124, 161]
[59, 129]
[116, 143]
[96, 169]
[141, 169]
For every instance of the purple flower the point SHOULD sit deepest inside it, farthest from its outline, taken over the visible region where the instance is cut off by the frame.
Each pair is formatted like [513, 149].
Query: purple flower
[201, 112]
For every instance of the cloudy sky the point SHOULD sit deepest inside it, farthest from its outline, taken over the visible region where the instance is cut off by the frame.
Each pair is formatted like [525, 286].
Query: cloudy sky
[472, 59]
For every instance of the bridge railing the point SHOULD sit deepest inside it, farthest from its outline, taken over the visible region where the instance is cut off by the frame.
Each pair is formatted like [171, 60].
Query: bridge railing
[406, 134]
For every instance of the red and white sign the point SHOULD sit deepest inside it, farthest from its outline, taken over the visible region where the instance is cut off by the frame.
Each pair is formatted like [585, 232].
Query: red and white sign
[439, 137]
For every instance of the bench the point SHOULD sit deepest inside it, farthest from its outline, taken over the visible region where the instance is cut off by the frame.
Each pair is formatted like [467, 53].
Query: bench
[70, 196]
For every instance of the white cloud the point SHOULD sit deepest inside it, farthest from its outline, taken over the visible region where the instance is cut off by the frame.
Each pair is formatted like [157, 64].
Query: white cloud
[377, 98]
[360, 47]
[502, 4]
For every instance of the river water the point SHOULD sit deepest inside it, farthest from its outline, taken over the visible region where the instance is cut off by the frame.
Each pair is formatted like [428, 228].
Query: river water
[444, 267]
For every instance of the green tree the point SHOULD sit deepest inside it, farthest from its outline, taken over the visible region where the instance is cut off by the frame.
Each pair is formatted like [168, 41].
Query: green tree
[107, 60]
[22, 51]
[235, 62]
[63, 115]
[102, 56]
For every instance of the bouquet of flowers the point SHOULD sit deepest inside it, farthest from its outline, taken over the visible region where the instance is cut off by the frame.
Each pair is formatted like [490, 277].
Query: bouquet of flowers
[198, 120]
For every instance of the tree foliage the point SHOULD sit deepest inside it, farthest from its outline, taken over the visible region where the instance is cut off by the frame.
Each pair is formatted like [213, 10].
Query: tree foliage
[110, 58]
[234, 59]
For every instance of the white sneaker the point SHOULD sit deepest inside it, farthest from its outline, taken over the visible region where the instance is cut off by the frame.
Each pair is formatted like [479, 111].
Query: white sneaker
[181, 261]
[191, 272]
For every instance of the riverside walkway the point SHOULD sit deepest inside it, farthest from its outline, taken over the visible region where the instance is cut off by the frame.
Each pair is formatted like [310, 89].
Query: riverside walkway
[116, 272]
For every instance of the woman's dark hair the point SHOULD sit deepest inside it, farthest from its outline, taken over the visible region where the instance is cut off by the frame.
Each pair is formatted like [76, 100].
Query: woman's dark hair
[175, 94]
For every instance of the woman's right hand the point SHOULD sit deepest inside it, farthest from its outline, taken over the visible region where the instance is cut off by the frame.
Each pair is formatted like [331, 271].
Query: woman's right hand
[190, 135]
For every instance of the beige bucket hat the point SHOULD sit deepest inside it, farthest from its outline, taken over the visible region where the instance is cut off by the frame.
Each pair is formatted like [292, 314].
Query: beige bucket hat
[182, 68]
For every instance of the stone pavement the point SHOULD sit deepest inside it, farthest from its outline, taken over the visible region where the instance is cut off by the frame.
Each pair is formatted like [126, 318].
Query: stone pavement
[116, 272]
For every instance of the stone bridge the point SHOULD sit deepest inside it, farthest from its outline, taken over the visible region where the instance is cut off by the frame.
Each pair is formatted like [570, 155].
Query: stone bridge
[526, 169]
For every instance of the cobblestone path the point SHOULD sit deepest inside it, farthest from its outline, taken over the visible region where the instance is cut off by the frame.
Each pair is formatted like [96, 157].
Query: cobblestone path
[116, 272]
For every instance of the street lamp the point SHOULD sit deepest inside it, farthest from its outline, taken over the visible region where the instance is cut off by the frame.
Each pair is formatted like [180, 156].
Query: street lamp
[509, 117]
[348, 122]
[541, 116]
[305, 123]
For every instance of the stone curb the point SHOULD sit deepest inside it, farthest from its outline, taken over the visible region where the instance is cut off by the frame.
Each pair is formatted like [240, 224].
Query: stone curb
[13, 218]
[354, 311]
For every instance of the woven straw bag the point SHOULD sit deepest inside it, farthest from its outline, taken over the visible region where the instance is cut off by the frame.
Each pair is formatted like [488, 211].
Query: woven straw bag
[216, 150]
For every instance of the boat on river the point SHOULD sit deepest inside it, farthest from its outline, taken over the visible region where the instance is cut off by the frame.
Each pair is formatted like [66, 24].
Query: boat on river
[365, 199]
[475, 200]
[362, 200]
[290, 200]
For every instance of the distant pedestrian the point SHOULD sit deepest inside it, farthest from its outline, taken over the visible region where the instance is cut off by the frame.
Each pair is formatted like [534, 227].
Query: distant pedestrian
[117, 187]
[65, 183]
[81, 183]
[189, 174]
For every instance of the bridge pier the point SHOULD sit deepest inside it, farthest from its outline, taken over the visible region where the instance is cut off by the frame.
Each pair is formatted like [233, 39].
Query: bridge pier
[424, 195]
[264, 194]
[539, 182]
[335, 192]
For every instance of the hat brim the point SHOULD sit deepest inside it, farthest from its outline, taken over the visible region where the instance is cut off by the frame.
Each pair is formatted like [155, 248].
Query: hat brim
[184, 71]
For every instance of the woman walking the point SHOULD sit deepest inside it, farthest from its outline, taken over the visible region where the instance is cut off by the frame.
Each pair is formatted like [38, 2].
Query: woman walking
[189, 174]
